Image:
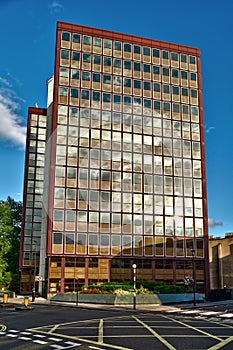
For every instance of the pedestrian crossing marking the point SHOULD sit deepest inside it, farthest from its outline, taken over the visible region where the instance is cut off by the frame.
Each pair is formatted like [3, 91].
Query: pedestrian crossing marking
[25, 338]
[229, 315]
[42, 342]
[54, 339]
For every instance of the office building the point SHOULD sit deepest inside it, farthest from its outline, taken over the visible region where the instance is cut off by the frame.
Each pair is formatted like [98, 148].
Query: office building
[115, 165]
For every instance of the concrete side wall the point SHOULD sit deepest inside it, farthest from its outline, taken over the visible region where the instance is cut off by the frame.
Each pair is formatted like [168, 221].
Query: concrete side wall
[127, 299]
[112, 299]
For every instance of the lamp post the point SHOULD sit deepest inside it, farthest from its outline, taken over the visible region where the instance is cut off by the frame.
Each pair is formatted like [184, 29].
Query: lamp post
[194, 277]
[134, 266]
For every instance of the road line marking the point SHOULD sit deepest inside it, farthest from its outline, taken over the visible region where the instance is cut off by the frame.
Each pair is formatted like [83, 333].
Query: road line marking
[221, 344]
[55, 339]
[95, 348]
[101, 331]
[26, 333]
[42, 342]
[210, 313]
[190, 312]
[25, 338]
[13, 331]
[129, 336]
[222, 324]
[226, 315]
[78, 322]
[74, 322]
[182, 336]
[53, 328]
[58, 347]
[80, 339]
[12, 335]
[193, 328]
[39, 335]
[162, 340]
[173, 310]
[128, 326]
[72, 344]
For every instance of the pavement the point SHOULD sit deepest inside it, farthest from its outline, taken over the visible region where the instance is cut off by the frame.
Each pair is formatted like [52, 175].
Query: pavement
[181, 307]
[19, 301]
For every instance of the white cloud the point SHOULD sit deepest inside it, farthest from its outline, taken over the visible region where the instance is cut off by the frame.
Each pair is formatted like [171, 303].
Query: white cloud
[5, 82]
[11, 128]
[55, 6]
[213, 223]
[209, 129]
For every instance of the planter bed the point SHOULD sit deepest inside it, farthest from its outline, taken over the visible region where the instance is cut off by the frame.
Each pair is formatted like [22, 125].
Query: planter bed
[111, 299]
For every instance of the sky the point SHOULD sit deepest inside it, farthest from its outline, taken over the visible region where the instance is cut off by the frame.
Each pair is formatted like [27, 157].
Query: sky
[27, 42]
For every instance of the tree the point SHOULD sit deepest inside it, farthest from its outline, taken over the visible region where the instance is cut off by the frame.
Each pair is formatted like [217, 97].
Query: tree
[10, 228]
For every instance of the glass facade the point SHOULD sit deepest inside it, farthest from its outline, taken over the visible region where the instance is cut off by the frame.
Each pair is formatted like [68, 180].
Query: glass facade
[33, 201]
[127, 163]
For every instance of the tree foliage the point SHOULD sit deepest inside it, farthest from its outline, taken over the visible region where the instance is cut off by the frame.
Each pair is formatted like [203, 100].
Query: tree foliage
[10, 228]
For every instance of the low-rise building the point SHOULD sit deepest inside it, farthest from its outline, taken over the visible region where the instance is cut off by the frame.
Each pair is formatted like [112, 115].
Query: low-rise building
[221, 261]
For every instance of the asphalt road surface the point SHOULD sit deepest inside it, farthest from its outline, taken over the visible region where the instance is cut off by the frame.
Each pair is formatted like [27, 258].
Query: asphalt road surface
[60, 328]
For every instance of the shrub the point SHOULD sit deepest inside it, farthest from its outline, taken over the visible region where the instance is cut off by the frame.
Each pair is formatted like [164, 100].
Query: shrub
[109, 287]
[143, 287]
[91, 291]
[143, 291]
[122, 291]
[169, 289]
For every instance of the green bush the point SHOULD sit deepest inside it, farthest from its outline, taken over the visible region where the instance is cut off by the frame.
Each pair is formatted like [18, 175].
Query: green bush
[143, 287]
[91, 291]
[122, 291]
[109, 287]
[168, 289]
[150, 285]
[143, 291]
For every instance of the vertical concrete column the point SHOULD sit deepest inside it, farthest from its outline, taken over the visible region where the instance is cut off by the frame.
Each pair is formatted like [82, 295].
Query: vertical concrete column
[86, 270]
[62, 275]
[153, 270]
[109, 270]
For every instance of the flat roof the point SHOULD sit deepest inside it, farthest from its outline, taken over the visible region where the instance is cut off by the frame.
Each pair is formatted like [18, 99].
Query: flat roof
[132, 39]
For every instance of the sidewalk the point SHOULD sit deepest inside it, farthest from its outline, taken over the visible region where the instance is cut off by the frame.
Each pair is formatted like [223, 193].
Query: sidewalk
[141, 307]
[204, 304]
[41, 301]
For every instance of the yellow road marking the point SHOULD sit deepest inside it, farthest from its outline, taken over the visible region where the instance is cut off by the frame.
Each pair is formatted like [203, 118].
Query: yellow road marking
[83, 321]
[80, 339]
[221, 344]
[222, 324]
[53, 329]
[128, 318]
[149, 336]
[193, 328]
[168, 345]
[101, 331]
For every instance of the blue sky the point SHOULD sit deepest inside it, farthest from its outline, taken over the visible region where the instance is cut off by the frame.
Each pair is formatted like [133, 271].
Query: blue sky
[27, 59]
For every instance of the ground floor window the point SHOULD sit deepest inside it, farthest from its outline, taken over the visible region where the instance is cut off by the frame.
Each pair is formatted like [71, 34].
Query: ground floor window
[67, 274]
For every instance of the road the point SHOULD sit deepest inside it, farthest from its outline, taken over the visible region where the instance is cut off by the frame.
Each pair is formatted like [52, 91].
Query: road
[225, 307]
[60, 328]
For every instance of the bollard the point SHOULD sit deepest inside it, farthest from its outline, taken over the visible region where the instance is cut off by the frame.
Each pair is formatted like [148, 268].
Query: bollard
[26, 301]
[33, 295]
[5, 298]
